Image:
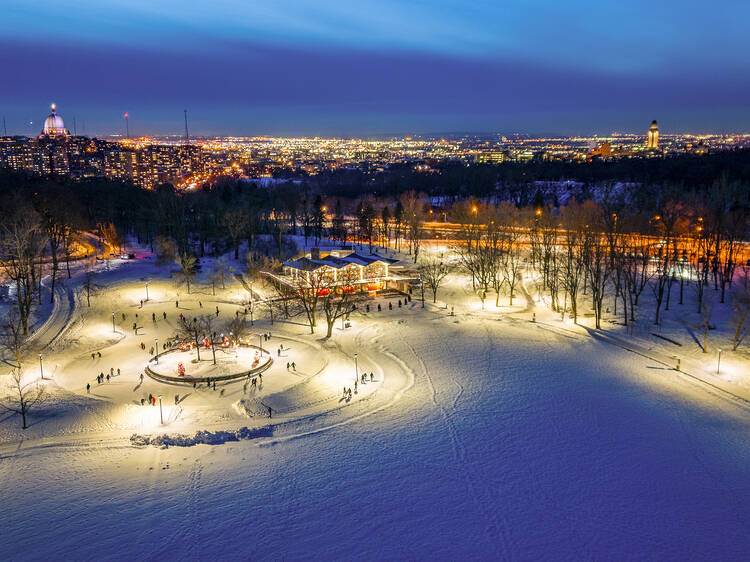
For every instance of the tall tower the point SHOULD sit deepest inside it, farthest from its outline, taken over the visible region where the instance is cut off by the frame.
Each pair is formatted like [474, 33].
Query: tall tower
[653, 136]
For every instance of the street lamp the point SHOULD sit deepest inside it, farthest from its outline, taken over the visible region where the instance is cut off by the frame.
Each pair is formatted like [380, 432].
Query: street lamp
[113, 322]
[146, 290]
[161, 414]
[356, 367]
[717, 364]
[41, 368]
[260, 345]
[156, 344]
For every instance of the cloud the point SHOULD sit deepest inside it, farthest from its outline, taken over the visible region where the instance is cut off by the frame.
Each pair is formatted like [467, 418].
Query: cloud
[249, 87]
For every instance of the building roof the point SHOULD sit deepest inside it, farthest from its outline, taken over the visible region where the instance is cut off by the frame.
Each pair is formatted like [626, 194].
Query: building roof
[308, 264]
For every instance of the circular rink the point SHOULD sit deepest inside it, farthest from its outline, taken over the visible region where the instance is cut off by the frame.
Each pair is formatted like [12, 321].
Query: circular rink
[182, 366]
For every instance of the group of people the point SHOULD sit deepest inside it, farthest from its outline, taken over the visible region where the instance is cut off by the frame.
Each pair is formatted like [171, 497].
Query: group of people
[253, 383]
[362, 379]
[401, 303]
[101, 377]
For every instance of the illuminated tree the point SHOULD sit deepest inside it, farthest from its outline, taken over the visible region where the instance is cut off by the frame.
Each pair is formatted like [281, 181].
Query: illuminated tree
[21, 397]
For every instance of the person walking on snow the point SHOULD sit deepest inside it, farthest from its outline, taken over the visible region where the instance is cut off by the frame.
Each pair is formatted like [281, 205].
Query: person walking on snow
[88, 387]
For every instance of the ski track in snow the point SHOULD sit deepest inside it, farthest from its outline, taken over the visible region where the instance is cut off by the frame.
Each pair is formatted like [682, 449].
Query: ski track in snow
[479, 495]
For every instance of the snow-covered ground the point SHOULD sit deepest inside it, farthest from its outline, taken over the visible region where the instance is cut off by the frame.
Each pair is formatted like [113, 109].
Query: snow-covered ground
[483, 435]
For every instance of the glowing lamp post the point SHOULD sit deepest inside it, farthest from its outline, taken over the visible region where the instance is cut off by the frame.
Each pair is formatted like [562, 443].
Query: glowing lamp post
[156, 347]
[113, 322]
[41, 368]
[356, 367]
[161, 414]
[260, 345]
[718, 364]
[146, 290]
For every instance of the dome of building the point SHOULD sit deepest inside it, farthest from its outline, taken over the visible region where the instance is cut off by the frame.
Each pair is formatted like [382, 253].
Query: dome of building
[54, 126]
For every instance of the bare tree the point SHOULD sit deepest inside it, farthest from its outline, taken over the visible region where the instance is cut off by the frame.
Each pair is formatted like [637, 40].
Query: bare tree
[186, 263]
[706, 323]
[576, 219]
[13, 339]
[19, 253]
[337, 300]
[191, 330]
[433, 272]
[110, 236]
[166, 251]
[219, 275]
[667, 223]
[509, 257]
[238, 329]
[414, 218]
[89, 286]
[235, 222]
[22, 397]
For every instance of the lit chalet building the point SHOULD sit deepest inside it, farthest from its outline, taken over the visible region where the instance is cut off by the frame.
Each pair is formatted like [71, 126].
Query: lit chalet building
[342, 271]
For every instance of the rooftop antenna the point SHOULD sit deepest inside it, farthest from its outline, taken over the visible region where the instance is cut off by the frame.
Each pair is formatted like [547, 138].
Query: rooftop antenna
[5, 130]
[127, 126]
[187, 136]
[75, 130]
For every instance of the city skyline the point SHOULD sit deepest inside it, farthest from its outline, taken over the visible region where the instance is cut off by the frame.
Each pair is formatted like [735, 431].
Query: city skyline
[302, 70]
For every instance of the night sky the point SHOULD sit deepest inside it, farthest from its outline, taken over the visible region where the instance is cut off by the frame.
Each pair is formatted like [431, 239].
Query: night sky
[335, 67]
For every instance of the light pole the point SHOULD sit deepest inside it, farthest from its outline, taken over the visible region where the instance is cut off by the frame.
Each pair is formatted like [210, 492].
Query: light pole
[161, 414]
[146, 290]
[717, 364]
[356, 367]
[113, 322]
[260, 345]
[41, 368]
[156, 343]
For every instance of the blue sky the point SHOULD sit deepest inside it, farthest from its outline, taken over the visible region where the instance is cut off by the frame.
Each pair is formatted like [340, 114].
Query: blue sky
[376, 67]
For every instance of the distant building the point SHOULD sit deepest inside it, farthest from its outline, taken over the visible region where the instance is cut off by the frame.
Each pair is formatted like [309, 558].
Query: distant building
[652, 143]
[604, 150]
[54, 126]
